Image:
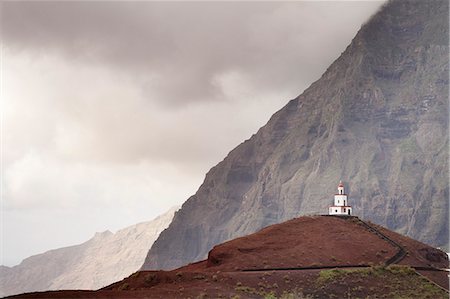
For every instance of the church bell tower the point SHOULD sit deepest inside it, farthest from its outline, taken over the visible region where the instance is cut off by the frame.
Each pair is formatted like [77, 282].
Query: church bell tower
[341, 206]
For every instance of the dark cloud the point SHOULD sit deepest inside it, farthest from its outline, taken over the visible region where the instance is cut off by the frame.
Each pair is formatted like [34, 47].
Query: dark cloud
[178, 49]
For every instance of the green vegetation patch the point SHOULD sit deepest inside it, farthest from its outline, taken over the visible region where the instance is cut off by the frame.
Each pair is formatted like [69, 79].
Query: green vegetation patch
[374, 271]
[394, 281]
[398, 269]
[330, 275]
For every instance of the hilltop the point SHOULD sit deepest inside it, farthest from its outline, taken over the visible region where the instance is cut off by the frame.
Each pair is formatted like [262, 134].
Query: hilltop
[315, 255]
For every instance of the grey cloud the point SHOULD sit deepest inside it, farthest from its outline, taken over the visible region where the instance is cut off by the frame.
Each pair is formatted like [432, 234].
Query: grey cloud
[178, 49]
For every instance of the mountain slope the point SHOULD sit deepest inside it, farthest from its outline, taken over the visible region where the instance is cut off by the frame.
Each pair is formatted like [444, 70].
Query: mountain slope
[105, 258]
[307, 257]
[377, 119]
[301, 252]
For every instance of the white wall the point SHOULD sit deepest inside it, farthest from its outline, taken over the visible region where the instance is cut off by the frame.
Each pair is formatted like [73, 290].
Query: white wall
[341, 199]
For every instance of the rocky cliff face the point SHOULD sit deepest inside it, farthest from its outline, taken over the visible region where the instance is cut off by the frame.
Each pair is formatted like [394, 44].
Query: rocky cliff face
[104, 259]
[377, 119]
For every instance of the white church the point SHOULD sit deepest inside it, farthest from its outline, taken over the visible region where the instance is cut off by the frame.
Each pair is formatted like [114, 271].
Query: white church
[340, 206]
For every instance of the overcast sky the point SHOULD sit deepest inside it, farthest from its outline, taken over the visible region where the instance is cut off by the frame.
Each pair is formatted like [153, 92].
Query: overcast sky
[114, 111]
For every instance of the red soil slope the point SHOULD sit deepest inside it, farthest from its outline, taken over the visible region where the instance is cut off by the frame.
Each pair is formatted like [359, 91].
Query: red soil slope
[303, 242]
[285, 256]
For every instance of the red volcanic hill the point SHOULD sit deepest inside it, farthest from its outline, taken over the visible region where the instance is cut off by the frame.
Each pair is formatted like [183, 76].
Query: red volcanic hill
[304, 242]
[317, 255]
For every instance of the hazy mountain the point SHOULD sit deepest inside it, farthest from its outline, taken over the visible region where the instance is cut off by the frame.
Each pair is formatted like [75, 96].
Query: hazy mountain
[105, 258]
[377, 119]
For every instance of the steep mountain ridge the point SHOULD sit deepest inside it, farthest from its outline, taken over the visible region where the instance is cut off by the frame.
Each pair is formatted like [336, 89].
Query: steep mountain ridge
[103, 259]
[377, 119]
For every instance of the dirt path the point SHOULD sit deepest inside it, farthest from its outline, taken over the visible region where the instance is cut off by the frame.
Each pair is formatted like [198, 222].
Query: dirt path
[401, 253]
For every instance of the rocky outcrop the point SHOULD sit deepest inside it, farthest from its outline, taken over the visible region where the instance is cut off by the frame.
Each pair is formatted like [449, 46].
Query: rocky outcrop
[104, 259]
[377, 119]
